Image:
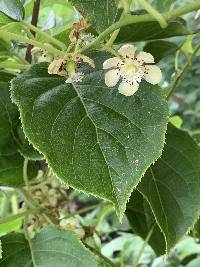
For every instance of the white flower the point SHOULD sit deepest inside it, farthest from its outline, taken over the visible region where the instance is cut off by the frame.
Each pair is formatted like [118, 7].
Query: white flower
[131, 68]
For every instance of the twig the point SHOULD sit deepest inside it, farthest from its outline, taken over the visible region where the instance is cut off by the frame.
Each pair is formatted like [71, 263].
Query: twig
[161, 20]
[143, 246]
[25, 175]
[29, 240]
[17, 216]
[107, 260]
[183, 72]
[84, 210]
[35, 14]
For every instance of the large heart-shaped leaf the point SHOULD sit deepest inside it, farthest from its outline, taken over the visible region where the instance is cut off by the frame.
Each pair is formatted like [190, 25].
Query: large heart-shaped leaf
[67, 250]
[101, 13]
[93, 138]
[13, 9]
[171, 186]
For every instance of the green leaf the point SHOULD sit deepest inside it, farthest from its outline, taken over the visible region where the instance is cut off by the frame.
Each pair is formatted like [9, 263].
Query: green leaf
[11, 162]
[160, 49]
[11, 226]
[4, 19]
[12, 138]
[8, 117]
[151, 31]
[142, 221]
[94, 139]
[4, 51]
[13, 9]
[100, 13]
[50, 247]
[25, 148]
[11, 169]
[171, 186]
[176, 121]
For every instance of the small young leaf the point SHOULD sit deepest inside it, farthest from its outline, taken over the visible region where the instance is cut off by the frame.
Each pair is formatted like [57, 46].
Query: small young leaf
[13, 9]
[171, 186]
[151, 31]
[93, 138]
[100, 13]
[50, 247]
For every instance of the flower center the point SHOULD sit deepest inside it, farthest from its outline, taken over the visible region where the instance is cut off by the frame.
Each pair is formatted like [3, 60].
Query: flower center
[71, 68]
[131, 68]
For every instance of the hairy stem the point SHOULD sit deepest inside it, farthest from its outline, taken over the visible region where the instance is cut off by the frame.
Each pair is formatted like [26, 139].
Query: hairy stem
[13, 65]
[29, 240]
[20, 38]
[143, 246]
[108, 261]
[161, 20]
[17, 216]
[131, 19]
[44, 35]
[25, 174]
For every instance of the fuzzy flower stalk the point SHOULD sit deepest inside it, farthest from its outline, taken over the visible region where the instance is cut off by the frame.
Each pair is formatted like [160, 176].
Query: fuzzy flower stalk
[130, 68]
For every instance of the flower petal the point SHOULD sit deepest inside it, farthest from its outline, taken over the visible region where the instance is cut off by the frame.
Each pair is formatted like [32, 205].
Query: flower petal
[87, 60]
[127, 89]
[145, 57]
[153, 74]
[111, 63]
[112, 78]
[127, 50]
[55, 66]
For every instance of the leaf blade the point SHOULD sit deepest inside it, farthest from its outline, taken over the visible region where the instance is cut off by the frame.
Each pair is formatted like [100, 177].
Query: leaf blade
[171, 186]
[92, 131]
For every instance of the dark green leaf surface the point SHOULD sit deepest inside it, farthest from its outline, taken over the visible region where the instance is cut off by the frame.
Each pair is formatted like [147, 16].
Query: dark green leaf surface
[171, 186]
[142, 221]
[160, 49]
[94, 139]
[151, 31]
[25, 148]
[11, 162]
[101, 13]
[8, 117]
[50, 247]
[12, 8]
[11, 169]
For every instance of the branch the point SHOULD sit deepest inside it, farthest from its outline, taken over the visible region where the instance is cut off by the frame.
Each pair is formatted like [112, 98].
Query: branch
[132, 19]
[183, 72]
[35, 14]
